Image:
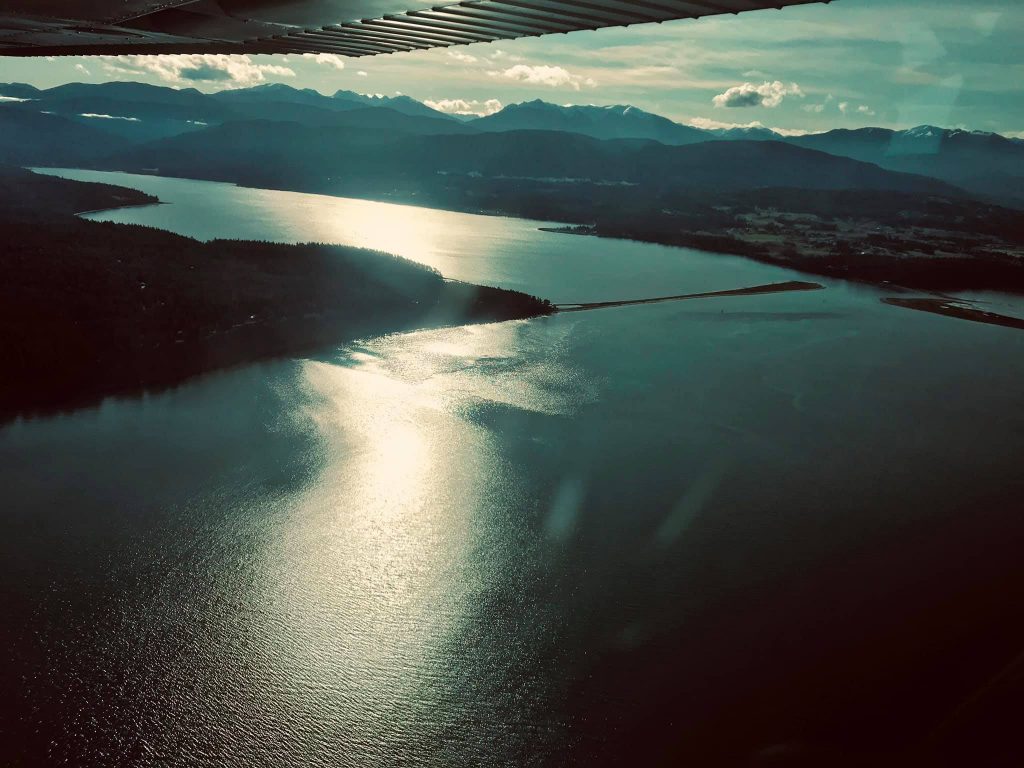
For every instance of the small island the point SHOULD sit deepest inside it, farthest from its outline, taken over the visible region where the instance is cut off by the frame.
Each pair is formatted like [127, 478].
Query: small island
[92, 309]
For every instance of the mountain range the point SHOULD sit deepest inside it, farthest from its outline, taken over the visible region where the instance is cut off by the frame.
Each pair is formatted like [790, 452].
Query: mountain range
[325, 159]
[614, 122]
[138, 121]
[980, 162]
[189, 103]
[139, 112]
[986, 164]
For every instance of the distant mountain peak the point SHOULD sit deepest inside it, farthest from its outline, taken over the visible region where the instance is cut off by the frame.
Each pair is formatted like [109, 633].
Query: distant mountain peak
[534, 104]
[547, 105]
[399, 102]
[281, 88]
[931, 131]
[611, 121]
[923, 132]
[22, 88]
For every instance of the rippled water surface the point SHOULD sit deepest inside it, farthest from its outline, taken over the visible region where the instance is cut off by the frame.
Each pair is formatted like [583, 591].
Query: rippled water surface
[689, 530]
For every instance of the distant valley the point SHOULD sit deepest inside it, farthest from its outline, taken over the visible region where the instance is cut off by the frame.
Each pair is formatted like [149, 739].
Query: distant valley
[926, 207]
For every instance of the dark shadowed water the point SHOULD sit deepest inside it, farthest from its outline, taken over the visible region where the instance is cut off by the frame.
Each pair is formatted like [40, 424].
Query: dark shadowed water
[727, 531]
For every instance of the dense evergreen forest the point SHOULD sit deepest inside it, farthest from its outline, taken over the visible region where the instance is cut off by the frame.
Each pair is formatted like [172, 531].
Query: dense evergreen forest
[93, 308]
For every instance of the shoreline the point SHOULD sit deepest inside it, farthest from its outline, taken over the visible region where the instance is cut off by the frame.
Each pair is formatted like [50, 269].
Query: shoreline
[756, 290]
[811, 265]
[954, 308]
[141, 309]
[118, 207]
[872, 274]
[401, 201]
[233, 354]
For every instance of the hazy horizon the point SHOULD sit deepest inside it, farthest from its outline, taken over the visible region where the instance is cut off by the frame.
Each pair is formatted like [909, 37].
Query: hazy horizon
[1019, 135]
[849, 64]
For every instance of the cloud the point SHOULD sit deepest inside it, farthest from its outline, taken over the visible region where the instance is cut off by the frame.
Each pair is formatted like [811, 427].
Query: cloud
[232, 71]
[505, 55]
[327, 59]
[712, 125]
[110, 117]
[708, 124]
[819, 108]
[465, 58]
[847, 108]
[765, 95]
[545, 74]
[81, 68]
[361, 73]
[465, 107]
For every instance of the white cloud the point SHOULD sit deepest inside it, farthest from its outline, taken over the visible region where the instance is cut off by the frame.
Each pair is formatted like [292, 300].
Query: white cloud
[545, 74]
[110, 117]
[712, 125]
[465, 107]
[1014, 134]
[708, 124]
[229, 71]
[327, 59]
[862, 109]
[505, 55]
[465, 58]
[768, 94]
[361, 73]
[819, 108]
[81, 68]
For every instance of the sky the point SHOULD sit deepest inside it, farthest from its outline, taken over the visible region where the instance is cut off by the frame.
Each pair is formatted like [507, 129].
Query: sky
[853, 63]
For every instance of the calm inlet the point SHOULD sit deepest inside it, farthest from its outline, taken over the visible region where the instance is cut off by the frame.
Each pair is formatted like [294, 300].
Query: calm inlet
[717, 527]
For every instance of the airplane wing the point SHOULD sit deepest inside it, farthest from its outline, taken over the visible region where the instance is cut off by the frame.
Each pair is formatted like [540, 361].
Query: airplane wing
[344, 27]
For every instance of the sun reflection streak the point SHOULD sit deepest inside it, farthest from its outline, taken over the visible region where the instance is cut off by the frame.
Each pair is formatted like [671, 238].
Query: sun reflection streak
[381, 564]
[413, 233]
[378, 416]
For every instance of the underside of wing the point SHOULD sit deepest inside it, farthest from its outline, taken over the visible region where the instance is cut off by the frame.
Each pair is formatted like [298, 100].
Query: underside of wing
[345, 27]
